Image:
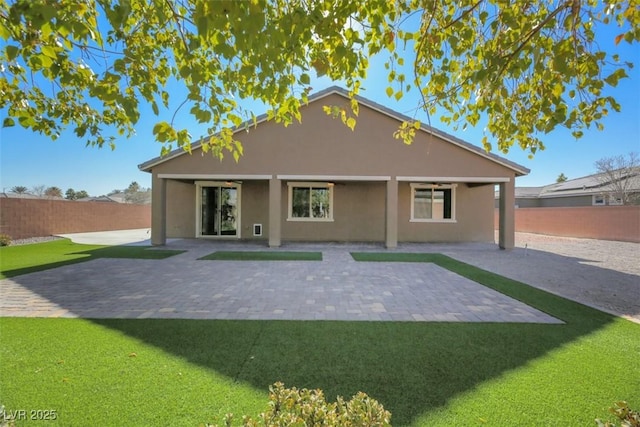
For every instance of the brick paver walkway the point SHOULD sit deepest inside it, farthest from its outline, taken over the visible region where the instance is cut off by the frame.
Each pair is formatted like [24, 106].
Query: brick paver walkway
[337, 288]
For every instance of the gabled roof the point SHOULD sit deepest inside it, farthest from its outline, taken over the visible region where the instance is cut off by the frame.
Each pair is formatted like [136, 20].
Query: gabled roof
[518, 169]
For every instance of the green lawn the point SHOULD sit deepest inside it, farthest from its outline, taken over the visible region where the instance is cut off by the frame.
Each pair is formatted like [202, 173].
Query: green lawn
[263, 256]
[17, 260]
[187, 372]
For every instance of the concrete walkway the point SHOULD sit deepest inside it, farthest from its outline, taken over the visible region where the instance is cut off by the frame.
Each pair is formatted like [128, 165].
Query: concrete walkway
[337, 288]
[135, 237]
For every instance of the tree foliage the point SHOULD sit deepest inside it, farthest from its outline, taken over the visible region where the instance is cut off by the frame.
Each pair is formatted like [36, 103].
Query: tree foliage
[527, 66]
[38, 190]
[19, 189]
[619, 177]
[137, 194]
[71, 194]
[561, 178]
[53, 192]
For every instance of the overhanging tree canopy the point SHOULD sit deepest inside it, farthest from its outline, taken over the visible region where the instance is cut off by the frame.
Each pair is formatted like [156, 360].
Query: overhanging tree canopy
[528, 66]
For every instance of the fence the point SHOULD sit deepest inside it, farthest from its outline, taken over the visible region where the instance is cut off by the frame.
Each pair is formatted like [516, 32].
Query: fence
[24, 218]
[593, 222]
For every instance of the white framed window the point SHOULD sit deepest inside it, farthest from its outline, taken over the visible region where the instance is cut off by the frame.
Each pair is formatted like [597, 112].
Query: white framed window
[598, 200]
[615, 201]
[433, 203]
[310, 201]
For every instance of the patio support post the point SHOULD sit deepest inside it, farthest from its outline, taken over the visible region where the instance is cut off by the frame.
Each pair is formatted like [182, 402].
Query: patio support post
[507, 229]
[159, 211]
[391, 232]
[275, 212]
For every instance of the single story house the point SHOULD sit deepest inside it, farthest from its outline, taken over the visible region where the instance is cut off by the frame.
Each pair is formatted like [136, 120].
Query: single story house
[320, 181]
[591, 190]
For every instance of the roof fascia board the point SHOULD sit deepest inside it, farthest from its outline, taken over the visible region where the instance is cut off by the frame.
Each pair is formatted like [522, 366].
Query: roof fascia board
[472, 179]
[222, 177]
[333, 178]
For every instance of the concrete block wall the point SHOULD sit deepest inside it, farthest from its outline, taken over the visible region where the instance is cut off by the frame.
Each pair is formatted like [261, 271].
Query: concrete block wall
[24, 218]
[621, 223]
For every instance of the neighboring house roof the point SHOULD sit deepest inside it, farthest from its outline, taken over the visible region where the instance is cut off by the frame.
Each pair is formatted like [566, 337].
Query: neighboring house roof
[584, 186]
[518, 169]
[117, 197]
[98, 199]
[527, 192]
[28, 196]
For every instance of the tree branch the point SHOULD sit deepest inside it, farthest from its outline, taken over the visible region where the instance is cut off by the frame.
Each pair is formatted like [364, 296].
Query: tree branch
[462, 15]
[175, 17]
[535, 30]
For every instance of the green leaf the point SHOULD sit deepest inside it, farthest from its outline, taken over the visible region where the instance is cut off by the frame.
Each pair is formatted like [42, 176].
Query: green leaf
[8, 122]
[49, 51]
[12, 52]
[389, 91]
[351, 123]
[305, 79]
[4, 31]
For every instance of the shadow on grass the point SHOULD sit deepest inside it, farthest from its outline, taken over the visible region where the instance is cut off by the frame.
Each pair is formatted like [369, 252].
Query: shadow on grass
[59, 253]
[410, 367]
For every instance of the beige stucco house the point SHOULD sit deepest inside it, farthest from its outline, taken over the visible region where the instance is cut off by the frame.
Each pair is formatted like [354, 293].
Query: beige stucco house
[320, 181]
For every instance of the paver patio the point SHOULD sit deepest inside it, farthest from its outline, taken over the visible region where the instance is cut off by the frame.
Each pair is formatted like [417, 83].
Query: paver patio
[337, 288]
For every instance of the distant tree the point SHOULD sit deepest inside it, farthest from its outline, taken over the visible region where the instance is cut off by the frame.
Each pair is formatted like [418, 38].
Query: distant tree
[135, 194]
[561, 178]
[19, 189]
[70, 194]
[53, 192]
[617, 175]
[38, 190]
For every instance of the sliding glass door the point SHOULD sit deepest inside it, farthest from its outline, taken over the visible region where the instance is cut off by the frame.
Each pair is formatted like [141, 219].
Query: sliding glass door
[219, 210]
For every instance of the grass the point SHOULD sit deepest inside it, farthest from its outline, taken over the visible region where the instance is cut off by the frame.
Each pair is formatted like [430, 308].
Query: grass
[187, 372]
[263, 256]
[17, 260]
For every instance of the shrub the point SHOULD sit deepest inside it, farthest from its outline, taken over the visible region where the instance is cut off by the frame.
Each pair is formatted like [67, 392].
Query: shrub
[5, 240]
[628, 416]
[289, 407]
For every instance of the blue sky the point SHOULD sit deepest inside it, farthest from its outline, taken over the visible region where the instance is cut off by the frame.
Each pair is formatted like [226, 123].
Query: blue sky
[30, 159]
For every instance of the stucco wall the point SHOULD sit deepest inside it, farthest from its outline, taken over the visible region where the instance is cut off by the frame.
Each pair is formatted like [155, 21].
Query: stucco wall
[474, 210]
[254, 205]
[181, 212]
[358, 212]
[24, 218]
[593, 222]
[323, 149]
[321, 145]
